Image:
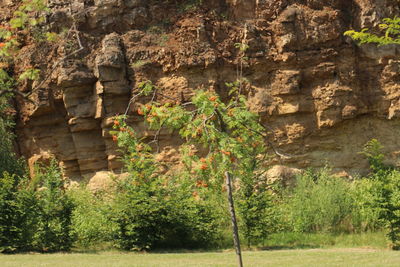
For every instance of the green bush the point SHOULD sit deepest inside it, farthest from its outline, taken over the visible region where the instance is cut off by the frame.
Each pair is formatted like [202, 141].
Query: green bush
[154, 215]
[370, 208]
[373, 152]
[153, 210]
[384, 192]
[55, 207]
[320, 203]
[379, 203]
[91, 218]
[254, 204]
[17, 214]
[17, 202]
[393, 215]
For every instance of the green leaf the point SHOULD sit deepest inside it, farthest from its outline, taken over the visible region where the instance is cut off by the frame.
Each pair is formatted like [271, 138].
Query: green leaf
[30, 74]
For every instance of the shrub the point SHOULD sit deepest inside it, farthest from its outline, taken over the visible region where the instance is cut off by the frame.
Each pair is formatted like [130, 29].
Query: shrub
[373, 152]
[370, 208]
[320, 202]
[55, 207]
[17, 214]
[153, 210]
[384, 201]
[393, 215]
[254, 206]
[91, 218]
[153, 215]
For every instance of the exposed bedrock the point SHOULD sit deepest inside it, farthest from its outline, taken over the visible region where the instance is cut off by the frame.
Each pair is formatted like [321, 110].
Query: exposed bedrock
[320, 96]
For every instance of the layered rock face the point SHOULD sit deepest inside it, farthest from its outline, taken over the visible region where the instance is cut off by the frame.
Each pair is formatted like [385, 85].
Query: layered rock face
[320, 96]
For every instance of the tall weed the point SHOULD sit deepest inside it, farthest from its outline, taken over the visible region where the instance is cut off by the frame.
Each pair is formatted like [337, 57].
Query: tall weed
[91, 219]
[319, 203]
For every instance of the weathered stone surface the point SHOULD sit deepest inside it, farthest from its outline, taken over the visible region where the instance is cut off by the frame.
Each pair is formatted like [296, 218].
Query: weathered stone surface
[101, 181]
[110, 63]
[282, 174]
[134, 3]
[74, 76]
[137, 17]
[321, 96]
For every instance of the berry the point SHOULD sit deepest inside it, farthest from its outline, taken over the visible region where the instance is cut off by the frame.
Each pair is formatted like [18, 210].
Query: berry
[212, 98]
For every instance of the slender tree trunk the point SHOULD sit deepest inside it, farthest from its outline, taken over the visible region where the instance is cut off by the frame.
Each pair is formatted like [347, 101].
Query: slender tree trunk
[236, 239]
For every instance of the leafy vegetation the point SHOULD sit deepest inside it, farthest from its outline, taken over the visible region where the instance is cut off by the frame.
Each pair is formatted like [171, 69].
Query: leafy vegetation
[8, 159]
[35, 215]
[17, 213]
[152, 216]
[53, 211]
[152, 211]
[319, 203]
[391, 33]
[9, 42]
[91, 219]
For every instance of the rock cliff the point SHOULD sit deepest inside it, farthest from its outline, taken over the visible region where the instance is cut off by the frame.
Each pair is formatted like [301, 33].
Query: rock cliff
[320, 96]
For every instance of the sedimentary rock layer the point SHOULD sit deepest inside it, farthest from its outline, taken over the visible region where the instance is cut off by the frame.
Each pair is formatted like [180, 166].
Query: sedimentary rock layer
[320, 96]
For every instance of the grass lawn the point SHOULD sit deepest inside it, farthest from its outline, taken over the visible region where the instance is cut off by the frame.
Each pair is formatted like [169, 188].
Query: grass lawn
[284, 249]
[296, 257]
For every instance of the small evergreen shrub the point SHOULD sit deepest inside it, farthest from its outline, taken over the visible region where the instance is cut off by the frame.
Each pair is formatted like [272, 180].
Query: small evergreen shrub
[383, 203]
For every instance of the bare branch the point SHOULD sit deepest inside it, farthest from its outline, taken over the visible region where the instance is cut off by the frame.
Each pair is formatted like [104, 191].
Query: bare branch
[72, 29]
[281, 155]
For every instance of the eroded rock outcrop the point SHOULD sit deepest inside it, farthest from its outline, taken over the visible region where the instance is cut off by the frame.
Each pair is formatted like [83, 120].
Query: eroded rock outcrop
[320, 96]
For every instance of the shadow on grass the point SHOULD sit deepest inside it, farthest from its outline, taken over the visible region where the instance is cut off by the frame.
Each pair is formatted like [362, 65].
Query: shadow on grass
[288, 247]
[153, 251]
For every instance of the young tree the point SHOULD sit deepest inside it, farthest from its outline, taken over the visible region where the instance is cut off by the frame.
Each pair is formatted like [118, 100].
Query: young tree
[220, 139]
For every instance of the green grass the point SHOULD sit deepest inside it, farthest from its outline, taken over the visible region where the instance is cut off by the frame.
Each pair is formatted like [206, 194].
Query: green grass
[301, 240]
[309, 257]
[283, 249]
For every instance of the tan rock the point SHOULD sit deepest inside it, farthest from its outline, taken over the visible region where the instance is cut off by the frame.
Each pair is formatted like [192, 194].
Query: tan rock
[286, 82]
[101, 181]
[282, 174]
[288, 108]
[38, 159]
[319, 97]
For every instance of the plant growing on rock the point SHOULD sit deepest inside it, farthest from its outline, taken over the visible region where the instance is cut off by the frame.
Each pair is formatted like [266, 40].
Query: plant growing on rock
[11, 33]
[27, 25]
[391, 33]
